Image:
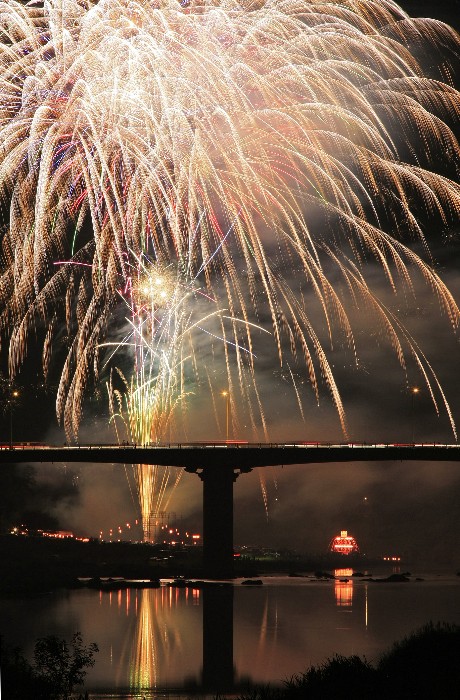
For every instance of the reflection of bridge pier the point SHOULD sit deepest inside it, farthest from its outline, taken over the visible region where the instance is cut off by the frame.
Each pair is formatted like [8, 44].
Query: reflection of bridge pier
[218, 671]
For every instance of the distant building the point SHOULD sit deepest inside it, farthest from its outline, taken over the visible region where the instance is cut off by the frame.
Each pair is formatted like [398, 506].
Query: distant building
[344, 544]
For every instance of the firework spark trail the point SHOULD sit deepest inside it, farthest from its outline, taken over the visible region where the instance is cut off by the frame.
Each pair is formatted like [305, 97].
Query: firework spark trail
[146, 403]
[163, 308]
[310, 129]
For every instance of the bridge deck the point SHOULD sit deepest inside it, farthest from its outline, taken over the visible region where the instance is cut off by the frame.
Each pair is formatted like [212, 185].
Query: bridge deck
[241, 456]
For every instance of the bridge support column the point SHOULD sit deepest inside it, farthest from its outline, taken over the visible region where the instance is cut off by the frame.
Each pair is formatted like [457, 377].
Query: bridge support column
[218, 520]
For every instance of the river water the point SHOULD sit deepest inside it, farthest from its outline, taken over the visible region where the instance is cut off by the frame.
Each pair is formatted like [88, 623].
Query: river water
[180, 641]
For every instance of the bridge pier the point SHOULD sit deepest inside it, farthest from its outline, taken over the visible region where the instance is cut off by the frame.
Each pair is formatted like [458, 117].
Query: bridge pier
[216, 467]
[218, 520]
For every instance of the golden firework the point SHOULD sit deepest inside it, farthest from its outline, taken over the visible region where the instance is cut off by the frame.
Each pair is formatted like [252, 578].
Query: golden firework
[276, 150]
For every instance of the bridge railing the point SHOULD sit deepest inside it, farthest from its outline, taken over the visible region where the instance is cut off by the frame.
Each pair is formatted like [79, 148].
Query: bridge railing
[227, 444]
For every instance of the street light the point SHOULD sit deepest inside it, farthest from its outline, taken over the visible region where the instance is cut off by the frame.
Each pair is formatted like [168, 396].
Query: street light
[226, 394]
[414, 391]
[13, 395]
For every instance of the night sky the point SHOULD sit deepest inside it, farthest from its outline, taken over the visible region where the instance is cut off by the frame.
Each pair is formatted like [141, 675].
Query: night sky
[391, 508]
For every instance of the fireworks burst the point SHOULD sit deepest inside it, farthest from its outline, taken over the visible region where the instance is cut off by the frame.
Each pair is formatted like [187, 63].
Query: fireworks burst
[161, 324]
[236, 140]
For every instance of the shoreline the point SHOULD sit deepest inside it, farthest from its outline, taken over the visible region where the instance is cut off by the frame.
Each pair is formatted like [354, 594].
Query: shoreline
[37, 566]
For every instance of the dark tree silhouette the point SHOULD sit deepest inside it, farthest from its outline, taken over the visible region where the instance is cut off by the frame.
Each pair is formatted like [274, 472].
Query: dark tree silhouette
[61, 666]
[57, 668]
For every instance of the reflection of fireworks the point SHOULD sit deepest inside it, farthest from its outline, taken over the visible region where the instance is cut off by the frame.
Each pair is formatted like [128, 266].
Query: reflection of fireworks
[237, 141]
[158, 635]
[144, 662]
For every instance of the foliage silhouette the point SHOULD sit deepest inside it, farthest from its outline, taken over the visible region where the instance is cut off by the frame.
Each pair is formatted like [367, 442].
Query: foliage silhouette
[423, 666]
[57, 668]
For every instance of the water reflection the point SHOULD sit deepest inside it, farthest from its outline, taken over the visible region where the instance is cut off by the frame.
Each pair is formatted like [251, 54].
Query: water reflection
[343, 587]
[154, 638]
[143, 663]
[218, 669]
[222, 638]
[149, 638]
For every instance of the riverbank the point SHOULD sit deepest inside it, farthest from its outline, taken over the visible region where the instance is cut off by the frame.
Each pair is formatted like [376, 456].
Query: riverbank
[37, 565]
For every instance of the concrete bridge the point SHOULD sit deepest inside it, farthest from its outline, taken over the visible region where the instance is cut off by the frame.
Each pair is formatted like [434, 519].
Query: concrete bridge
[218, 464]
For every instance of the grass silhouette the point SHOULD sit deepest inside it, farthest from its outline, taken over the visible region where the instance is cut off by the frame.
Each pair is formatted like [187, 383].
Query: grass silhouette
[425, 665]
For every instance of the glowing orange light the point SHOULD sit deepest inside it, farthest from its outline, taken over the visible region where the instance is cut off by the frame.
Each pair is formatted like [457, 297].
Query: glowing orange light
[343, 543]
